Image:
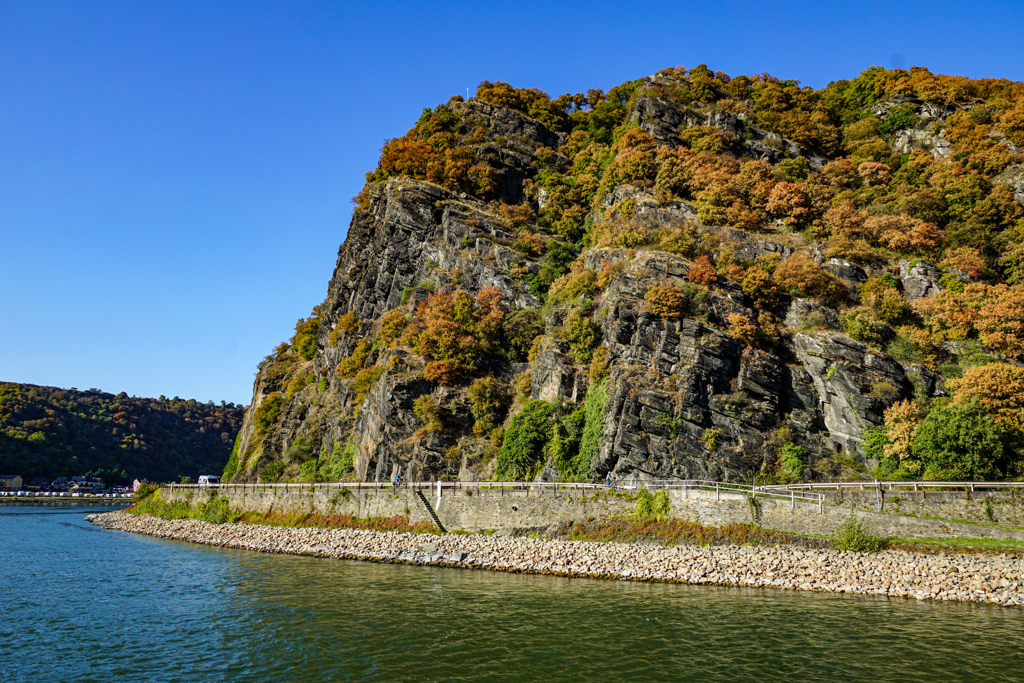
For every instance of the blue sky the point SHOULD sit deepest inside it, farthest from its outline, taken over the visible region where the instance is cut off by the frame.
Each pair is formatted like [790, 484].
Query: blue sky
[175, 177]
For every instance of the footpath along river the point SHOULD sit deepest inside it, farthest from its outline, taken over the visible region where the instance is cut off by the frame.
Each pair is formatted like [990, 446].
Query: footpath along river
[80, 603]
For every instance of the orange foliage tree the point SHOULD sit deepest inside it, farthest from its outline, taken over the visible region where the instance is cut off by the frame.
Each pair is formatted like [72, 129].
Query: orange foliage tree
[965, 259]
[458, 331]
[995, 313]
[801, 274]
[999, 387]
[667, 300]
[702, 272]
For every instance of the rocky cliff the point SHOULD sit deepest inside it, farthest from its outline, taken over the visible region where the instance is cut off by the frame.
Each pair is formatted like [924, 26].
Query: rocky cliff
[690, 276]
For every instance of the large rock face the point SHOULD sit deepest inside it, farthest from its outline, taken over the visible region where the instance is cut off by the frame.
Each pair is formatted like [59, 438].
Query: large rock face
[689, 395]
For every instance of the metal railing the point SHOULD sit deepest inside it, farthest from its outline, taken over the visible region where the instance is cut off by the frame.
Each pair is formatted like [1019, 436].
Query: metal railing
[792, 495]
[387, 485]
[63, 494]
[898, 485]
[728, 488]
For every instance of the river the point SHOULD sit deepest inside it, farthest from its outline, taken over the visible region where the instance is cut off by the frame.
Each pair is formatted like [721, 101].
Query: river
[78, 603]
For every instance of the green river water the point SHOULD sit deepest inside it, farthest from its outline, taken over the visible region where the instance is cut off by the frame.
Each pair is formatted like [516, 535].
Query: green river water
[78, 603]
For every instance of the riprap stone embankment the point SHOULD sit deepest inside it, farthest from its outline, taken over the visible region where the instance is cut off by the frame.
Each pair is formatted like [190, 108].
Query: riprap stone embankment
[971, 578]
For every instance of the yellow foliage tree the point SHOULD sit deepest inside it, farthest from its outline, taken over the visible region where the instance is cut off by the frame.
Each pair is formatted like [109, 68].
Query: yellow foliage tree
[901, 420]
[999, 387]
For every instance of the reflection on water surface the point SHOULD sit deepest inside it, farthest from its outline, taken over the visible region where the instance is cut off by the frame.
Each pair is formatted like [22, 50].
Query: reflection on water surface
[86, 606]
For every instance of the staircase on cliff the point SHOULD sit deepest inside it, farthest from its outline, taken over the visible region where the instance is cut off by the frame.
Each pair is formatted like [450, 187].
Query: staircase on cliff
[430, 511]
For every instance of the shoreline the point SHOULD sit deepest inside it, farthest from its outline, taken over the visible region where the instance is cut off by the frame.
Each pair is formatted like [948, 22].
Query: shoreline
[990, 579]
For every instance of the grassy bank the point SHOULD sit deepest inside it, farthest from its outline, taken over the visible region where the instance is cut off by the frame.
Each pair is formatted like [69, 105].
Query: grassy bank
[318, 521]
[671, 532]
[217, 510]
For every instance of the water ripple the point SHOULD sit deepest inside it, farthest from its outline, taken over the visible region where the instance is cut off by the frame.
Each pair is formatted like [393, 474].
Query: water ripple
[110, 606]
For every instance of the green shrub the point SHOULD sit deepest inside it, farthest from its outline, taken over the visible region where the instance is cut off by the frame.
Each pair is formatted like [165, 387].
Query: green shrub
[297, 384]
[267, 412]
[854, 534]
[338, 462]
[215, 510]
[365, 379]
[593, 430]
[348, 367]
[959, 441]
[392, 324]
[300, 451]
[489, 398]
[430, 412]
[791, 462]
[712, 436]
[524, 440]
[520, 328]
[792, 170]
[145, 491]
[579, 283]
[564, 446]
[557, 259]
[581, 333]
[347, 324]
[897, 119]
[874, 443]
[860, 324]
[309, 471]
[232, 466]
[889, 306]
[903, 348]
[271, 474]
[655, 505]
[306, 331]
[599, 363]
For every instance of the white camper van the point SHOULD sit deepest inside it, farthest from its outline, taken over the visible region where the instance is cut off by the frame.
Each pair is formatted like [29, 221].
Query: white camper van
[208, 480]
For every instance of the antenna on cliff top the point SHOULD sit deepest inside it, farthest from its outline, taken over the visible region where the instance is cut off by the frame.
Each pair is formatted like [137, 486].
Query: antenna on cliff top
[467, 93]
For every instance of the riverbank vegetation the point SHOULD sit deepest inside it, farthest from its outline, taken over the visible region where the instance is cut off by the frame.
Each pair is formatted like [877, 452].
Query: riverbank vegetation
[397, 523]
[217, 510]
[212, 508]
[671, 532]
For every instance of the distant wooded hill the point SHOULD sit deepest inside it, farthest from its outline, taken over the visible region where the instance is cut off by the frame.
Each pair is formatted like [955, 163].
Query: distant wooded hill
[51, 432]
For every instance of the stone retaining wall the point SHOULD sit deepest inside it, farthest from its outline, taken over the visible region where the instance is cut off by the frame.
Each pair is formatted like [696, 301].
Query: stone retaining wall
[472, 510]
[1007, 507]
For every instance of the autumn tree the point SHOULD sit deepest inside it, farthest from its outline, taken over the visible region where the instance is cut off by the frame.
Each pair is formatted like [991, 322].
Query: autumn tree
[802, 275]
[458, 330]
[702, 272]
[967, 260]
[999, 387]
[901, 419]
[760, 286]
[667, 300]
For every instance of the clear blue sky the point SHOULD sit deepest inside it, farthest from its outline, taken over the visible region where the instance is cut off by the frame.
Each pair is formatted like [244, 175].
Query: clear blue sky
[175, 177]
